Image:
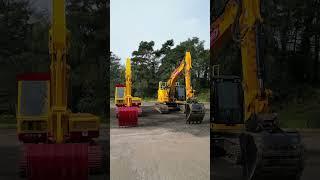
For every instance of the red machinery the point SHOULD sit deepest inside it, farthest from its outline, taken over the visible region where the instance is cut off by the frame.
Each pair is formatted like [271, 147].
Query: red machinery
[127, 107]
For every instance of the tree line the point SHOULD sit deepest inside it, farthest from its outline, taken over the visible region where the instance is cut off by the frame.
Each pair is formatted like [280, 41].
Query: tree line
[291, 42]
[150, 65]
[24, 48]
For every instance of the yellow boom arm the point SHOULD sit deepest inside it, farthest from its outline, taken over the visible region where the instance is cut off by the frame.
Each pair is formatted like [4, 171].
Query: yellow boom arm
[242, 20]
[189, 89]
[58, 47]
[174, 77]
[128, 88]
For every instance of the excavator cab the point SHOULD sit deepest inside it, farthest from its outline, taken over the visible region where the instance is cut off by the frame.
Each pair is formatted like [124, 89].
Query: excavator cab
[119, 95]
[33, 106]
[227, 115]
[120, 100]
[180, 93]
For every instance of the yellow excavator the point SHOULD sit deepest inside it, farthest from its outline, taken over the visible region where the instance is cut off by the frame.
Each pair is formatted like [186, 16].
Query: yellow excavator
[127, 107]
[242, 125]
[172, 96]
[57, 144]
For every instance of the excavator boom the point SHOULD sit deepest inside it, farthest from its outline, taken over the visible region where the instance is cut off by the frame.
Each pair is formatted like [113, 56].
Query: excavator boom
[189, 89]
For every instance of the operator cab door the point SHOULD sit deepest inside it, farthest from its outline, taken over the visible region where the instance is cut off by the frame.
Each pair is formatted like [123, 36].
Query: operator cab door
[227, 101]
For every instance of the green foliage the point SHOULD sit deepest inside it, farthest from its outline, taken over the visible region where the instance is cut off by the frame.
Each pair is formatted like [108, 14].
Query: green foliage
[144, 69]
[204, 95]
[302, 112]
[290, 46]
[24, 48]
[149, 65]
[117, 73]
[86, 20]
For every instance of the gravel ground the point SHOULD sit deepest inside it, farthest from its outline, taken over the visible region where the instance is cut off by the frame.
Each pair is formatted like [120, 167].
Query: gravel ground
[162, 147]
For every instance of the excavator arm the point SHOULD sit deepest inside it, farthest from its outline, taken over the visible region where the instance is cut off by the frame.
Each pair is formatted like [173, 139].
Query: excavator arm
[222, 28]
[186, 65]
[58, 49]
[240, 22]
[171, 83]
[128, 83]
[187, 74]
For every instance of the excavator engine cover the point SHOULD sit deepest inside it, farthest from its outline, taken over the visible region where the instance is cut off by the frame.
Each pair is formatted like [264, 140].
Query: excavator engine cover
[128, 116]
[60, 161]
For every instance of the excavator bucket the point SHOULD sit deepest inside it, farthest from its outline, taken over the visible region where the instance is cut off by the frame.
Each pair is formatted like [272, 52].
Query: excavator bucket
[128, 116]
[194, 113]
[138, 108]
[60, 161]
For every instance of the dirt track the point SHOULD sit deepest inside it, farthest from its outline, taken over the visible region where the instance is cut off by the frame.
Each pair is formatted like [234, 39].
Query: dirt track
[222, 168]
[161, 147]
[9, 155]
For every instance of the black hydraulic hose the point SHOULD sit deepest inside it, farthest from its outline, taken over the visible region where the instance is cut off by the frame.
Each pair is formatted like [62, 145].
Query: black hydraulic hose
[259, 61]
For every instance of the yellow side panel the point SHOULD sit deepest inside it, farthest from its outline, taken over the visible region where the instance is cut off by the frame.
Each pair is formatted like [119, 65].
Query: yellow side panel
[163, 96]
[83, 122]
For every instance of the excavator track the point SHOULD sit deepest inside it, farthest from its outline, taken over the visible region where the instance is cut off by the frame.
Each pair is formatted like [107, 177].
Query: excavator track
[268, 155]
[194, 113]
[165, 108]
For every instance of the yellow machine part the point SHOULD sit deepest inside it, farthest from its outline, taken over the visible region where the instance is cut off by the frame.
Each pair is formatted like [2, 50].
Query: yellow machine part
[123, 95]
[166, 89]
[223, 31]
[188, 66]
[120, 100]
[163, 93]
[82, 122]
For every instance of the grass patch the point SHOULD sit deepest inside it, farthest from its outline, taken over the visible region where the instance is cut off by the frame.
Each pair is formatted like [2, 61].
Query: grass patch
[7, 119]
[149, 99]
[204, 95]
[8, 126]
[303, 114]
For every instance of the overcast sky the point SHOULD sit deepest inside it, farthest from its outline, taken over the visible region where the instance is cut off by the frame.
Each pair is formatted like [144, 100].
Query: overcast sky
[159, 20]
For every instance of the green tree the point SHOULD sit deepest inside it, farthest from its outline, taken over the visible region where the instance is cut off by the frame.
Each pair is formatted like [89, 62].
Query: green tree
[116, 73]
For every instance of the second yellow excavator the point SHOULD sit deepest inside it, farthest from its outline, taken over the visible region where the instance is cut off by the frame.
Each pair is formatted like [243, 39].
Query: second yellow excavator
[173, 96]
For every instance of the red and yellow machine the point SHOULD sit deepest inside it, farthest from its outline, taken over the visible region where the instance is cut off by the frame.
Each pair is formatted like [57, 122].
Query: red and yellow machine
[58, 144]
[127, 107]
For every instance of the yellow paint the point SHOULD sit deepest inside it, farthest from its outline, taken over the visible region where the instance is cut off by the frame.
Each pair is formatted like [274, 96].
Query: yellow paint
[127, 99]
[166, 90]
[189, 90]
[243, 19]
[128, 89]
